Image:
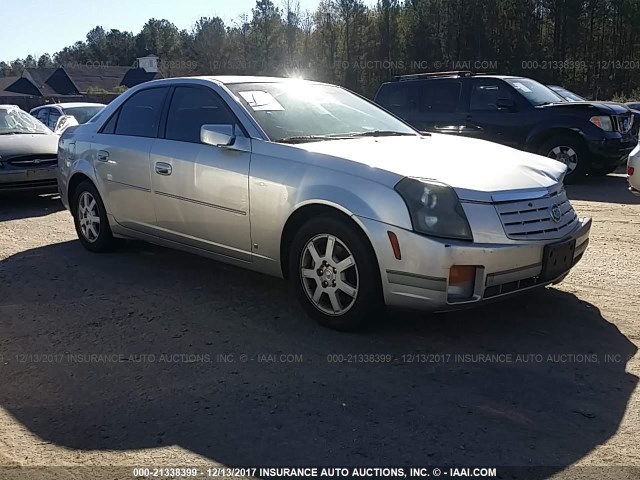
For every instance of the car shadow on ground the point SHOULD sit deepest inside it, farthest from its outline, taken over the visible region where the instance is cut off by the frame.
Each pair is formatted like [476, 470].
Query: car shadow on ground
[247, 379]
[606, 189]
[15, 206]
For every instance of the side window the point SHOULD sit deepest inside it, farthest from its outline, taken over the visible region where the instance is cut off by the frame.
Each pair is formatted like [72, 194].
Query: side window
[140, 115]
[54, 115]
[485, 95]
[192, 107]
[110, 127]
[43, 115]
[439, 97]
[397, 97]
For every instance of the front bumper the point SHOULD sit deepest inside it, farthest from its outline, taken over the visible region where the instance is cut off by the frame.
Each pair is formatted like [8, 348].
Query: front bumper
[13, 180]
[613, 149]
[634, 180]
[420, 279]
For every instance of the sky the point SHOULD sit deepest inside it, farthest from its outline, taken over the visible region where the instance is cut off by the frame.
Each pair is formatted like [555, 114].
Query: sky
[35, 27]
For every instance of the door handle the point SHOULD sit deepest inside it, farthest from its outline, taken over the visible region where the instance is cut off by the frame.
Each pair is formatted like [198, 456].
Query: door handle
[103, 156]
[163, 168]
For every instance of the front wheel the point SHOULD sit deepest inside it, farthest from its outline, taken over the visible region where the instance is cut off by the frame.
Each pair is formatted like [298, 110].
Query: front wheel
[335, 273]
[570, 151]
[90, 219]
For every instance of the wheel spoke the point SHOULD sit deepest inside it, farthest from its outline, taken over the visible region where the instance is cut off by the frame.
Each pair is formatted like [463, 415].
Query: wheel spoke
[346, 288]
[314, 254]
[94, 219]
[317, 294]
[93, 231]
[309, 273]
[92, 205]
[345, 263]
[333, 298]
[328, 253]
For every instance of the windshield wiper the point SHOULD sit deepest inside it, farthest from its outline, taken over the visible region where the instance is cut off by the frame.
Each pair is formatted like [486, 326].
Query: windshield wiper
[379, 133]
[342, 136]
[310, 138]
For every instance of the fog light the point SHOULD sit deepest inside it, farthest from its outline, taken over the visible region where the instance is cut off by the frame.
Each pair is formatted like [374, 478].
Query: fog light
[462, 279]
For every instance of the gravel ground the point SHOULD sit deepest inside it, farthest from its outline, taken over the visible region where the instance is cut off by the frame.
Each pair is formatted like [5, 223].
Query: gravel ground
[191, 367]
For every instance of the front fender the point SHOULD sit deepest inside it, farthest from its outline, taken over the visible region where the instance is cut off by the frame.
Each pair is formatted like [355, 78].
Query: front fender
[565, 123]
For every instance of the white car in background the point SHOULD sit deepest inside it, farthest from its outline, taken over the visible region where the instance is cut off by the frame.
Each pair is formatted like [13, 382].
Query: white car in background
[51, 115]
[633, 171]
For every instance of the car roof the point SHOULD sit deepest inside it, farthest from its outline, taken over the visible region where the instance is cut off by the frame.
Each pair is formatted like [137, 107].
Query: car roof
[71, 105]
[228, 80]
[9, 107]
[409, 78]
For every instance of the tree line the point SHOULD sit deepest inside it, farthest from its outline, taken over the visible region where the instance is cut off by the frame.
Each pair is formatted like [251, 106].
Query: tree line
[589, 46]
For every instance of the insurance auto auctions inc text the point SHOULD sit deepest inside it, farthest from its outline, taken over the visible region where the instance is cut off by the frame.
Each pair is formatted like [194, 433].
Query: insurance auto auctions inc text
[375, 472]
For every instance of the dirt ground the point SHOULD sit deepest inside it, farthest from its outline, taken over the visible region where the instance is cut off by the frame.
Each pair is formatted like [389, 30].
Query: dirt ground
[154, 358]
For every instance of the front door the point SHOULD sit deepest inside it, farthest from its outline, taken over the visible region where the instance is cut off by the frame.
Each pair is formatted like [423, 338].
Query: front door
[201, 192]
[489, 118]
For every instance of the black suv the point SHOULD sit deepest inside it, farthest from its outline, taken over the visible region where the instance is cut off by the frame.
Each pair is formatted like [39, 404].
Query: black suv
[589, 137]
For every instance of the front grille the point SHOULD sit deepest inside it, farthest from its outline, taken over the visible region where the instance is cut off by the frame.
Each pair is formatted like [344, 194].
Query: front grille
[27, 185]
[532, 219]
[32, 161]
[622, 123]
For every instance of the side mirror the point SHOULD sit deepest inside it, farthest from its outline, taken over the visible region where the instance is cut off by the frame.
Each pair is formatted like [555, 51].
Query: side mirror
[505, 104]
[64, 122]
[218, 135]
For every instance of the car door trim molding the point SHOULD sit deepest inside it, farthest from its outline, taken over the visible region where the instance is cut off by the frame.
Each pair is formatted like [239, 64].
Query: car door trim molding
[130, 186]
[199, 202]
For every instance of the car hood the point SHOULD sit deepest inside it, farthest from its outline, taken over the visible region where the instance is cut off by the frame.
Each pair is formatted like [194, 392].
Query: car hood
[475, 168]
[28, 144]
[602, 108]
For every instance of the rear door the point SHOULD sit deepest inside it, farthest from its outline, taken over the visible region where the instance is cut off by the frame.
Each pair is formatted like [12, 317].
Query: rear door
[438, 106]
[122, 150]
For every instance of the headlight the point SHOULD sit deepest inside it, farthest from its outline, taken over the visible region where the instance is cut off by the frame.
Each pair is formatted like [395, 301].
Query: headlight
[603, 122]
[434, 209]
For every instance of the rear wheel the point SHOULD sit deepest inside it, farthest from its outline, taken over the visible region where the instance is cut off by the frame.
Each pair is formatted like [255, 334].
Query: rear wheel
[335, 273]
[570, 151]
[90, 219]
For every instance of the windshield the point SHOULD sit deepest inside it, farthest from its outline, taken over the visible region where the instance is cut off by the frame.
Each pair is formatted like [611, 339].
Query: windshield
[15, 121]
[297, 109]
[567, 94]
[537, 93]
[83, 114]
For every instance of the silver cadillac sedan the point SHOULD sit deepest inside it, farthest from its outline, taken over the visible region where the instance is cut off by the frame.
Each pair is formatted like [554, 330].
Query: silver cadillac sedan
[310, 182]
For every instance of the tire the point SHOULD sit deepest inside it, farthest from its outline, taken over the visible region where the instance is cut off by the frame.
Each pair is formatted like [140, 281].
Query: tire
[572, 152]
[88, 207]
[315, 271]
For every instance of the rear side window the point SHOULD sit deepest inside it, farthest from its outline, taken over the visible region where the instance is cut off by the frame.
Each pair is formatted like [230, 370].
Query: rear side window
[192, 107]
[140, 115]
[485, 95]
[440, 97]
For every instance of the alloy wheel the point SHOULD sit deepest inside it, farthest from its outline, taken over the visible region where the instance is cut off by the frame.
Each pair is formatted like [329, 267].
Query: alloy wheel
[566, 155]
[88, 217]
[330, 279]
